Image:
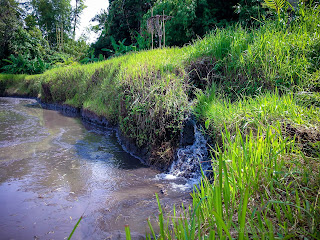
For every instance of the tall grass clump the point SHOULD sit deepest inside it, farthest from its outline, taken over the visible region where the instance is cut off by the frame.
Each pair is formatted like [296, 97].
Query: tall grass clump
[276, 55]
[263, 188]
[249, 114]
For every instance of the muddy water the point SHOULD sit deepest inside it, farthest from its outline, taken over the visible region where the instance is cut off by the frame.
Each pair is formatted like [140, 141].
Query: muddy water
[53, 169]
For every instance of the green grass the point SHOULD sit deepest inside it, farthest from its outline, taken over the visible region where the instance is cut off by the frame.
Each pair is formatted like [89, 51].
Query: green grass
[255, 91]
[264, 188]
[249, 62]
[249, 114]
[262, 114]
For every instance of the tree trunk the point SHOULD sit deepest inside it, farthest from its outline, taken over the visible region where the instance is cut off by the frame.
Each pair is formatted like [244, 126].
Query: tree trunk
[75, 19]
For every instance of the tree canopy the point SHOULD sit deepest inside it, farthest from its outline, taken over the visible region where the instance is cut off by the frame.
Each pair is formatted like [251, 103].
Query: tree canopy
[126, 20]
[45, 29]
[40, 31]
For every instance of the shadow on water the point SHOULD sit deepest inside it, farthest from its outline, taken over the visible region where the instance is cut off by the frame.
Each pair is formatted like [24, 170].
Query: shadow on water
[99, 143]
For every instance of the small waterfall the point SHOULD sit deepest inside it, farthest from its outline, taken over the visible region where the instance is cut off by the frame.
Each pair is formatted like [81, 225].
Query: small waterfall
[191, 157]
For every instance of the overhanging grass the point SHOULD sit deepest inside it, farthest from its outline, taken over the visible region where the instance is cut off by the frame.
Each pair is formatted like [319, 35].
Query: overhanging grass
[144, 93]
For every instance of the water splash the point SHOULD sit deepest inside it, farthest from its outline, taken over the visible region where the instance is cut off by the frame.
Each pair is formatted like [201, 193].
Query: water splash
[189, 161]
[190, 158]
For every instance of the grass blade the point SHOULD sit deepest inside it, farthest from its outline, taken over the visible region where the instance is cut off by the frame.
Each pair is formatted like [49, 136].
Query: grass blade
[243, 214]
[75, 227]
[128, 235]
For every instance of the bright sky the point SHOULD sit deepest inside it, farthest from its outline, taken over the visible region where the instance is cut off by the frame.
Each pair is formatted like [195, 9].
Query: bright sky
[93, 7]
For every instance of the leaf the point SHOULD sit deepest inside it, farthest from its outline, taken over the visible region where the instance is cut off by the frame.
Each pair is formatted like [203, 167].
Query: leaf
[128, 235]
[8, 61]
[222, 224]
[151, 229]
[243, 214]
[75, 227]
[85, 60]
[207, 124]
[276, 5]
[106, 50]
[101, 58]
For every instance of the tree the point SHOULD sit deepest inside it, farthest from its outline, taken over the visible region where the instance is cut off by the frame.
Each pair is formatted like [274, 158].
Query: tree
[28, 42]
[101, 18]
[179, 29]
[9, 23]
[192, 18]
[76, 14]
[54, 18]
[121, 22]
[249, 11]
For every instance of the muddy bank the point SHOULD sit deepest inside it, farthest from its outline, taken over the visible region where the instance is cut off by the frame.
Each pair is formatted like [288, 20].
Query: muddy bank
[187, 155]
[89, 117]
[160, 155]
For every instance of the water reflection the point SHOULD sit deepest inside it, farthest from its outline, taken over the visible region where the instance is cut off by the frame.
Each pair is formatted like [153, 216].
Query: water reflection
[53, 170]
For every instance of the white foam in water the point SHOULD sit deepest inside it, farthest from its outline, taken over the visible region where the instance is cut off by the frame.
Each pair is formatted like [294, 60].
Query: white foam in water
[188, 185]
[188, 162]
[164, 176]
[189, 158]
[181, 187]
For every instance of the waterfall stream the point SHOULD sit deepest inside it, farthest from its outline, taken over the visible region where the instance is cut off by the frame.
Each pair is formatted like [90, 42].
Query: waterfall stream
[190, 159]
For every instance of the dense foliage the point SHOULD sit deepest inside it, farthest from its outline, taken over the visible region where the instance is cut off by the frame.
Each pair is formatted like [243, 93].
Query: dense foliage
[37, 35]
[9, 23]
[192, 18]
[122, 22]
[126, 20]
[45, 29]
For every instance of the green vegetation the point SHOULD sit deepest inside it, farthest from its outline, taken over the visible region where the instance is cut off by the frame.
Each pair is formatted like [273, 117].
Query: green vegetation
[262, 113]
[38, 35]
[74, 228]
[41, 33]
[256, 93]
[264, 188]
[126, 21]
[266, 172]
